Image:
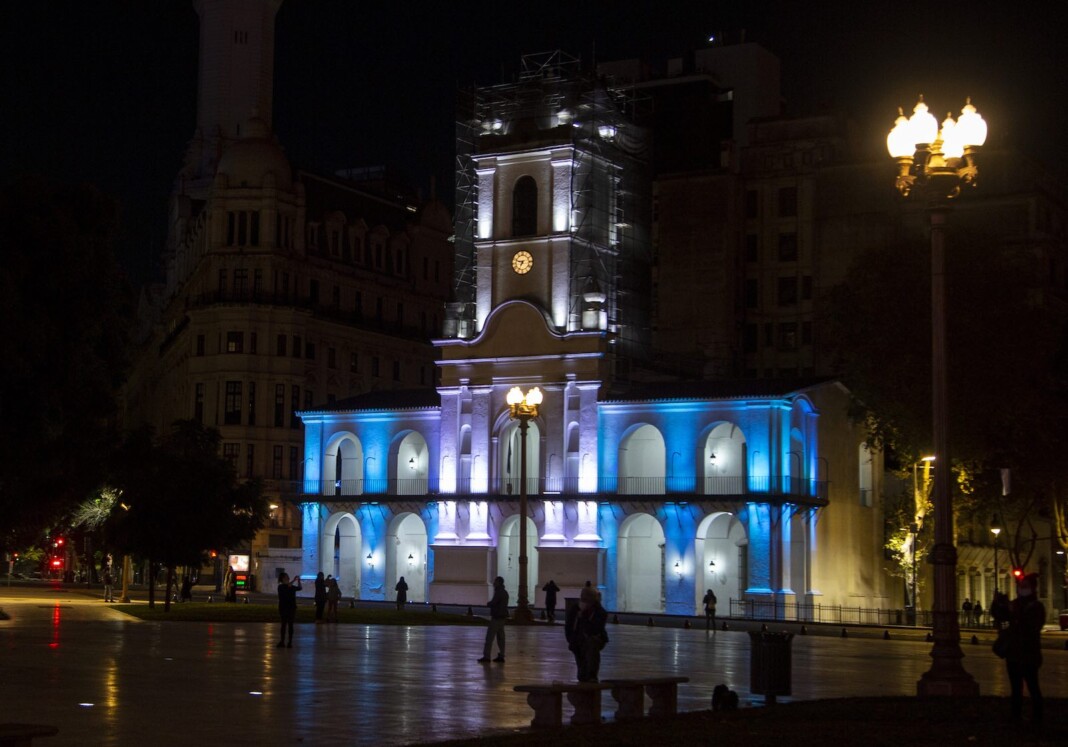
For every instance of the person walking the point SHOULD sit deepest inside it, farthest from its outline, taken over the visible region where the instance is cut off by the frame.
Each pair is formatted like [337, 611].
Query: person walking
[320, 596]
[287, 607]
[187, 587]
[498, 607]
[551, 590]
[402, 593]
[966, 612]
[108, 586]
[584, 628]
[710, 610]
[333, 596]
[1021, 625]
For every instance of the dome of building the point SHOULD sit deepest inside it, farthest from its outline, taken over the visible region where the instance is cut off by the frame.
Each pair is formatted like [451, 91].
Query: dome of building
[248, 161]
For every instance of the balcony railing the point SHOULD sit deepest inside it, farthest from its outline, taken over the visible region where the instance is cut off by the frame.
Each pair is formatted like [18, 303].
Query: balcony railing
[753, 485]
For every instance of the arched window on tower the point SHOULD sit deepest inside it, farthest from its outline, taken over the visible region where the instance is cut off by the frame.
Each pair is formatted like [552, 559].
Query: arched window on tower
[525, 207]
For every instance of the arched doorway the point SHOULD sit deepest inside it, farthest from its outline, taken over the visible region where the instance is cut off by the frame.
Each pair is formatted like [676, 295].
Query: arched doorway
[339, 552]
[640, 572]
[406, 555]
[510, 453]
[724, 461]
[641, 462]
[343, 466]
[719, 550]
[508, 557]
[413, 463]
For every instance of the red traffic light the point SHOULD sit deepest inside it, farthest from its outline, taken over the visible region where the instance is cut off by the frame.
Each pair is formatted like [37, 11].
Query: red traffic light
[59, 542]
[56, 563]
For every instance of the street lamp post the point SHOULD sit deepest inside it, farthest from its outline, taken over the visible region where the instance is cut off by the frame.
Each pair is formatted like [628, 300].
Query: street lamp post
[934, 164]
[523, 407]
[995, 529]
[914, 530]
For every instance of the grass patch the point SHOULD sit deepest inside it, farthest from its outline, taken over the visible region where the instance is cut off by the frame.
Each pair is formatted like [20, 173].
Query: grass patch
[267, 613]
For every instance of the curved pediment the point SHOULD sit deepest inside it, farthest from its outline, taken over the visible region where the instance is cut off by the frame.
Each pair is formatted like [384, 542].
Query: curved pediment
[519, 328]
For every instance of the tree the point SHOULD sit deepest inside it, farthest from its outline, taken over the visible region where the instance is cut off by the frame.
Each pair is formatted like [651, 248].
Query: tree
[180, 498]
[62, 353]
[1006, 343]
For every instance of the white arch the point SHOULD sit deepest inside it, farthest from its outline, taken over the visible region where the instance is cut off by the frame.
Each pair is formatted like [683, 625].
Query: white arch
[339, 551]
[413, 465]
[641, 462]
[509, 454]
[724, 458]
[508, 556]
[406, 555]
[343, 465]
[640, 565]
[718, 549]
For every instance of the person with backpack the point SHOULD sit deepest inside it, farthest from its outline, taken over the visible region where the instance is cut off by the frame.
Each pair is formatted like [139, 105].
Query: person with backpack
[584, 627]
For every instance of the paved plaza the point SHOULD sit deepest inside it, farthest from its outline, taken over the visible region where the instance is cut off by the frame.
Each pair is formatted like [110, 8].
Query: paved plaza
[104, 678]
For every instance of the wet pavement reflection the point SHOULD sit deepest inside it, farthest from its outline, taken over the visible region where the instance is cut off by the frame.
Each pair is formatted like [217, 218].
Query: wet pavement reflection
[106, 679]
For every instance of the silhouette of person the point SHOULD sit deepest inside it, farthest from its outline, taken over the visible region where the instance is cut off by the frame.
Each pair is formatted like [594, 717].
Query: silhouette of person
[584, 628]
[550, 589]
[402, 593]
[287, 607]
[320, 596]
[333, 596]
[498, 607]
[710, 610]
[1023, 658]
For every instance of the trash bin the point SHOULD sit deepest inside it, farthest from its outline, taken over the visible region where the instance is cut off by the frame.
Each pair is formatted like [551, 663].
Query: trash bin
[769, 664]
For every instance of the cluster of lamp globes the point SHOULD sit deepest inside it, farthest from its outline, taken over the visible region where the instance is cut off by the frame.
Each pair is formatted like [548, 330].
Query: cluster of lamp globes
[938, 159]
[524, 404]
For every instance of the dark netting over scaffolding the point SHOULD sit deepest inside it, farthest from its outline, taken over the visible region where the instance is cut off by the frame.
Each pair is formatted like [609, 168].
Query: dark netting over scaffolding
[555, 103]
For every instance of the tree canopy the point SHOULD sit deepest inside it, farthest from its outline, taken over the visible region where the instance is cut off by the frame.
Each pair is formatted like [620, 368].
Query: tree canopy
[62, 354]
[1006, 346]
[180, 498]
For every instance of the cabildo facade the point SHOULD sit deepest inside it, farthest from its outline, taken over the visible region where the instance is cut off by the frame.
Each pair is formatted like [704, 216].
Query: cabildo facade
[652, 488]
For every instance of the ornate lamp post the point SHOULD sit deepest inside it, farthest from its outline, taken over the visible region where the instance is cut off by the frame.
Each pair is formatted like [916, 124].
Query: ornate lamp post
[523, 407]
[933, 165]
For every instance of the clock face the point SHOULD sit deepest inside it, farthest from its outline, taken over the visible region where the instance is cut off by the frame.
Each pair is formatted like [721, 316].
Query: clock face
[522, 262]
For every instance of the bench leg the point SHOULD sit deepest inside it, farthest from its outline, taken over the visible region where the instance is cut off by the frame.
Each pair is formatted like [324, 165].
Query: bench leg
[665, 699]
[548, 709]
[631, 701]
[587, 706]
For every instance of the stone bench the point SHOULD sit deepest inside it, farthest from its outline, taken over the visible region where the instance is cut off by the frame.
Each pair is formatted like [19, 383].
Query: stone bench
[585, 697]
[547, 702]
[22, 735]
[630, 695]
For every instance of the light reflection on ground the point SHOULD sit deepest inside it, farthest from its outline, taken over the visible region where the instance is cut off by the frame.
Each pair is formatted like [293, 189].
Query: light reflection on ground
[190, 683]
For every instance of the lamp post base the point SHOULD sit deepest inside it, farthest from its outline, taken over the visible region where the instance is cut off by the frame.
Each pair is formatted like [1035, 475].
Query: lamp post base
[958, 685]
[523, 614]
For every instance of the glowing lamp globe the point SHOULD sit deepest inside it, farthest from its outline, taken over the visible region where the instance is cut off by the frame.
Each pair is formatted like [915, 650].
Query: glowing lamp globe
[922, 125]
[971, 128]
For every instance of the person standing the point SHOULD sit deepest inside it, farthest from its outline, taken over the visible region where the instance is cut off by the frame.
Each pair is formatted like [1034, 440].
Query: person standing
[710, 610]
[320, 596]
[287, 607]
[333, 596]
[966, 612]
[498, 607]
[584, 628]
[108, 586]
[402, 593]
[228, 581]
[1023, 653]
[977, 613]
[551, 590]
[187, 587]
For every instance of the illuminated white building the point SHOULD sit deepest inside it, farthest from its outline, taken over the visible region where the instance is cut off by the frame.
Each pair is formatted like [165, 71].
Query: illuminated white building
[653, 491]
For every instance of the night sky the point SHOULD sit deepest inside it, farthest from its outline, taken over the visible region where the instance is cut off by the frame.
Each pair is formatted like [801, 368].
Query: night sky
[106, 91]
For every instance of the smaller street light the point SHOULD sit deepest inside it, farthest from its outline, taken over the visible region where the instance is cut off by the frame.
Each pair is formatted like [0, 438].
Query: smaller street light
[995, 529]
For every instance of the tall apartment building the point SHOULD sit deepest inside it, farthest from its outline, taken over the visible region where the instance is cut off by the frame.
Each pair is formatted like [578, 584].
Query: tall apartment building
[283, 289]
